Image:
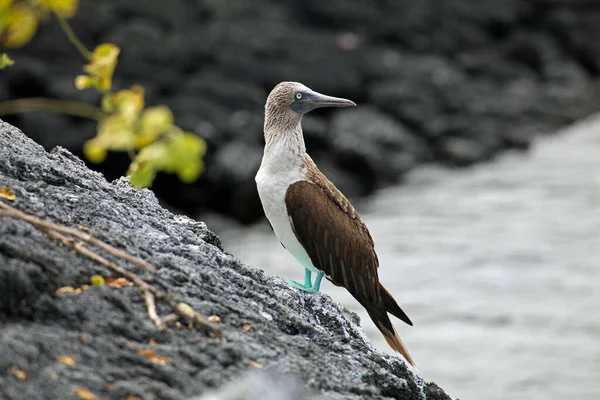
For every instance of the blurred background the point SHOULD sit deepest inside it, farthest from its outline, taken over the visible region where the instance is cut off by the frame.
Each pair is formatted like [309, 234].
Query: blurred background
[495, 262]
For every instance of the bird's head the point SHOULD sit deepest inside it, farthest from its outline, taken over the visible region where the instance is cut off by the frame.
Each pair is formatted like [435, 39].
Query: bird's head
[295, 98]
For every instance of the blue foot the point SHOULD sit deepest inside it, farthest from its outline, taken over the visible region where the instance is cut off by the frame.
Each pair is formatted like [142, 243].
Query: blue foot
[300, 286]
[308, 286]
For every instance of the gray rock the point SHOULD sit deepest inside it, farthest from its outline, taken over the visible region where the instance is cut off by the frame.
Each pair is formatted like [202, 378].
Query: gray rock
[306, 337]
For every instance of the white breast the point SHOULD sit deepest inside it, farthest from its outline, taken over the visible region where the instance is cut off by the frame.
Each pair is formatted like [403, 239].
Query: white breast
[277, 172]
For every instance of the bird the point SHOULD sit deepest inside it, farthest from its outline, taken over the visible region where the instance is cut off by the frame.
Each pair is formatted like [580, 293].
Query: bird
[312, 219]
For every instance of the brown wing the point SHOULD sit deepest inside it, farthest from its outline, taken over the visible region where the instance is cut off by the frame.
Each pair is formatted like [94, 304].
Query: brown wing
[339, 244]
[336, 243]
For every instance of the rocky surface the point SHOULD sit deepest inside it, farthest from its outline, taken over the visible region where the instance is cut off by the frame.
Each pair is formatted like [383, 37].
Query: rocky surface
[450, 81]
[315, 344]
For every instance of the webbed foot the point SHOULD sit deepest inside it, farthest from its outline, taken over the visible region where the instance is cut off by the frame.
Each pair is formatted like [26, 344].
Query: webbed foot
[308, 286]
[301, 286]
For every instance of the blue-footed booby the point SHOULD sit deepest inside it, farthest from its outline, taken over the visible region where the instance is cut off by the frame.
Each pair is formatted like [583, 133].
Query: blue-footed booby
[311, 218]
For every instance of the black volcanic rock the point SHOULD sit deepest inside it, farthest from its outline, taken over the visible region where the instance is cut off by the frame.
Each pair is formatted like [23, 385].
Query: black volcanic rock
[304, 339]
[376, 142]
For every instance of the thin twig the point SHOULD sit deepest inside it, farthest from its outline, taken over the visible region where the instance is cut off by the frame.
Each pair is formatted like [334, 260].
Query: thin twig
[170, 317]
[76, 108]
[194, 316]
[151, 306]
[144, 287]
[73, 37]
[55, 231]
[13, 212]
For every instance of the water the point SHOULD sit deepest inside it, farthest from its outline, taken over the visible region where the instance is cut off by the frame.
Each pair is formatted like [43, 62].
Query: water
[498, 267]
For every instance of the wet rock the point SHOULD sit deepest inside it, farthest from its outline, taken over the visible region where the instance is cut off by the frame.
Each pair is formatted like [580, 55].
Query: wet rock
[307, 339]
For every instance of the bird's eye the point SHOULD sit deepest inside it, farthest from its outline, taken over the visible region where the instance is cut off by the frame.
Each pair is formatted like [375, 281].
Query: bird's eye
[298, 96]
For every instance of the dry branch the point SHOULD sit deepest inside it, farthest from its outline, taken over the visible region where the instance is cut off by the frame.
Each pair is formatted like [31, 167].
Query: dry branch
[66, 236]
[151, 306]
[86, 237]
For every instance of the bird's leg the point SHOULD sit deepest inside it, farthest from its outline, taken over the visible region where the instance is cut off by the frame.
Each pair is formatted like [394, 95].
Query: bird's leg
[307, 277]
[317, 284]
[307, 286]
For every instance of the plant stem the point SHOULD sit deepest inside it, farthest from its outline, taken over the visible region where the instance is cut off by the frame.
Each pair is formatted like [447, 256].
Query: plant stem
[76, 108]
[73, 37]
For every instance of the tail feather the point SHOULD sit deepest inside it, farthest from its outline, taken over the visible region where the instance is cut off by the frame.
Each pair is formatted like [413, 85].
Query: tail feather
[392, 307]
[383, 323]
[378, 311]
[396, 343]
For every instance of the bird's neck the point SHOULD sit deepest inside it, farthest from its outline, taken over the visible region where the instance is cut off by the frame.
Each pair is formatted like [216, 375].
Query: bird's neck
[284, 141]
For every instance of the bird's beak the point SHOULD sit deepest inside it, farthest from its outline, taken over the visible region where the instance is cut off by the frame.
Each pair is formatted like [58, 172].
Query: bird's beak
[317, 100]
[312, 100]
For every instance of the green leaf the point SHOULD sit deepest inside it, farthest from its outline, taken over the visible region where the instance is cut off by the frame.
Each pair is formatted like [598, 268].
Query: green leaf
[64, 8]
[188, 173]
[129, 103]
[83, 82]
[94, 151]
[159, 118]
[107, 103]
[150, 160]
[154, 122]
[194, 143]
[97, 280]
[22, 25]
[5, 4]
[187, 150]
[5, 61]
[141, 175]
[102, 66]
[116, 133]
